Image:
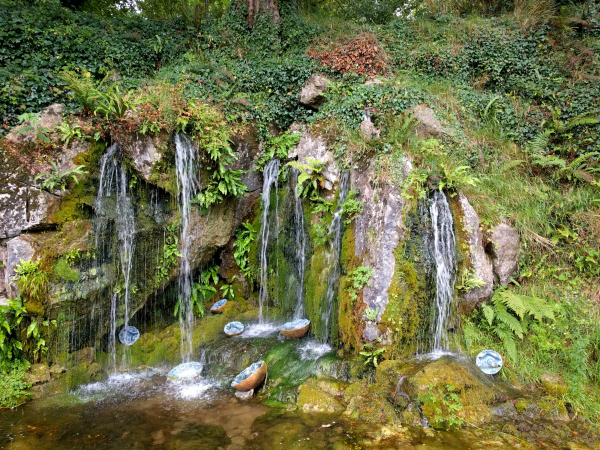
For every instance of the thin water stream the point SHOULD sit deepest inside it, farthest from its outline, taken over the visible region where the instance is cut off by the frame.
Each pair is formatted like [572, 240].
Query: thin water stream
[301, 239]
[270, 175]
[186, 166]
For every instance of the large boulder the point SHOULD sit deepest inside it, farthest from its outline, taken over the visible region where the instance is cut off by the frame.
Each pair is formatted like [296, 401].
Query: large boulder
[50, 118]
[314, 147]
[378, 230]
[480, 263]
[504, 252]
[429, 126]
[321, 395]
[144, 150]
[311, 95]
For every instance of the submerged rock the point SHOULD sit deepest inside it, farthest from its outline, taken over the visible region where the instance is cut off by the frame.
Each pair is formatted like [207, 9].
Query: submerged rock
[322, 395]
[245, 395]
[311, 95]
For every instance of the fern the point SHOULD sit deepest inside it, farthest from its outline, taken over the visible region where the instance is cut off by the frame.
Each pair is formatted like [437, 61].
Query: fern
[523, 305]
[508, 341]
[540, 142]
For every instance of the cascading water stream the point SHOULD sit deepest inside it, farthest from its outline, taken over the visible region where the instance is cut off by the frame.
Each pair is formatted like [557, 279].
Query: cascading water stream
[300, 246]
[445, 262]
[336, 233]
[186, 168]
[113, 183]
[269, 180]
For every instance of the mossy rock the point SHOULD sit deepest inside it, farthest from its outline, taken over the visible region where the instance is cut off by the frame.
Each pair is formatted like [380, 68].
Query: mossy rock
[368, 403]
[554, 384]
[388, 372]
[552, 408]
[64, 271]
[34, 308]
[320, 396]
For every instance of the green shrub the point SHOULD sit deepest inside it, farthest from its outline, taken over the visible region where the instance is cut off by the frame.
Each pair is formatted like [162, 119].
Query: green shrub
[13, 388]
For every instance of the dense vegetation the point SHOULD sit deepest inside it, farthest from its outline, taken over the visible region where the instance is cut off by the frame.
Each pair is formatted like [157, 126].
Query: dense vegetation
[516, 83]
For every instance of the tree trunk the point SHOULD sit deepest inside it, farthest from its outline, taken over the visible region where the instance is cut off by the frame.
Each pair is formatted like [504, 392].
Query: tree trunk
[255, 6]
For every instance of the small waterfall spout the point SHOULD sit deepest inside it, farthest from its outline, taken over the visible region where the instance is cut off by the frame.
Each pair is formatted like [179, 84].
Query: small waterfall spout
[336, 233]
[269, 180]
[186, 167]
[114, 184]
[300, 247]
[445, 262]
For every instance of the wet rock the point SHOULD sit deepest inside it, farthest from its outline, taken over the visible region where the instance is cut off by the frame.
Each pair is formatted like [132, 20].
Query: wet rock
[145, 151]
[369, 130]
[429, 126]
[38, 374]
[387, 372]
[57, 369]
[480, 262]
[245, 395]
[17, 249]
[368, 403]
[504, 252]
[86, 355]
[314, 147]
[311, 95]
[50, 117]
[320, 395]
[553, 384]
[378, 230]
[505, 410]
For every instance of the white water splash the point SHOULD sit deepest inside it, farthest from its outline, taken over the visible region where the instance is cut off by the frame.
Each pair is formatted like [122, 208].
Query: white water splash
[312, 350]
[260, 330]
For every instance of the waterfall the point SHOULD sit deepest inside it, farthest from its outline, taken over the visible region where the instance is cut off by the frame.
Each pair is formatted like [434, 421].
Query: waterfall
[269, 180]
[445, 262]
[336, 233]
[186, 168]
[300, 246]
[113, 183]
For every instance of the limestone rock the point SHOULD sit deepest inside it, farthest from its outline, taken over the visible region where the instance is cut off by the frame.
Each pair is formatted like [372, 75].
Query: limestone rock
[314, 147]
[373, 81]
[368, 130]
[504, 251]
[311, 95]
[57, 369]
[320, 396]
[85, 355]
[38, 374]
[245, 395]
[429, 126]
[144, 150]
[17, 249]
[554, 384]
[378, 230]
[50, 117]
[480, 262]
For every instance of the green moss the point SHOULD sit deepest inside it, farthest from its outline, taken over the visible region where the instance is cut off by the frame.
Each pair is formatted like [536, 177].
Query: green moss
[34, 308]
[316, 290]
[63, 271]
[348, 259]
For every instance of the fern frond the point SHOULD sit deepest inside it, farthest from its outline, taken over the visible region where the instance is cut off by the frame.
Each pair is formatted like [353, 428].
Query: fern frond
[470, 334]
[511, 322]
[512, 164]
[549, 161]
[488, 313]
[540, 142]
[579, 120]
[511, 300]
[508, 342]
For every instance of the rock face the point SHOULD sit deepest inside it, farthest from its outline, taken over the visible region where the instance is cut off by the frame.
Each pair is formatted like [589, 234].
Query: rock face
[50, 118]
[429, 126]
[311, 95]
[17, 249]
[504, 252]
[480, 261]
[145, 151]
[314, 147]
[321, 395]
[368, 130]
[378, 230]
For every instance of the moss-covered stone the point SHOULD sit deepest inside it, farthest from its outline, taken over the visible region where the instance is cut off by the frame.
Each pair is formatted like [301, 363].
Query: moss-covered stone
[63, 270]
[321, 395]
[368, 403]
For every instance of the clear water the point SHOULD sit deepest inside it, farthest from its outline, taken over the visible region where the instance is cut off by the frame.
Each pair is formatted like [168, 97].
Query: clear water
[186, 166]
[301, 239]
[114, 184]
[336, 233]
[445, 263]
[269, 181]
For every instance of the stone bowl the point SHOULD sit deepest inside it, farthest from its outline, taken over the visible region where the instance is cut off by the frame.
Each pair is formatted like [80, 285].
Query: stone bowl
[234, 329]
[489, 361]
[218, 307]
[295, 329]
[250, 377]
[186, 371]
[128, 335]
